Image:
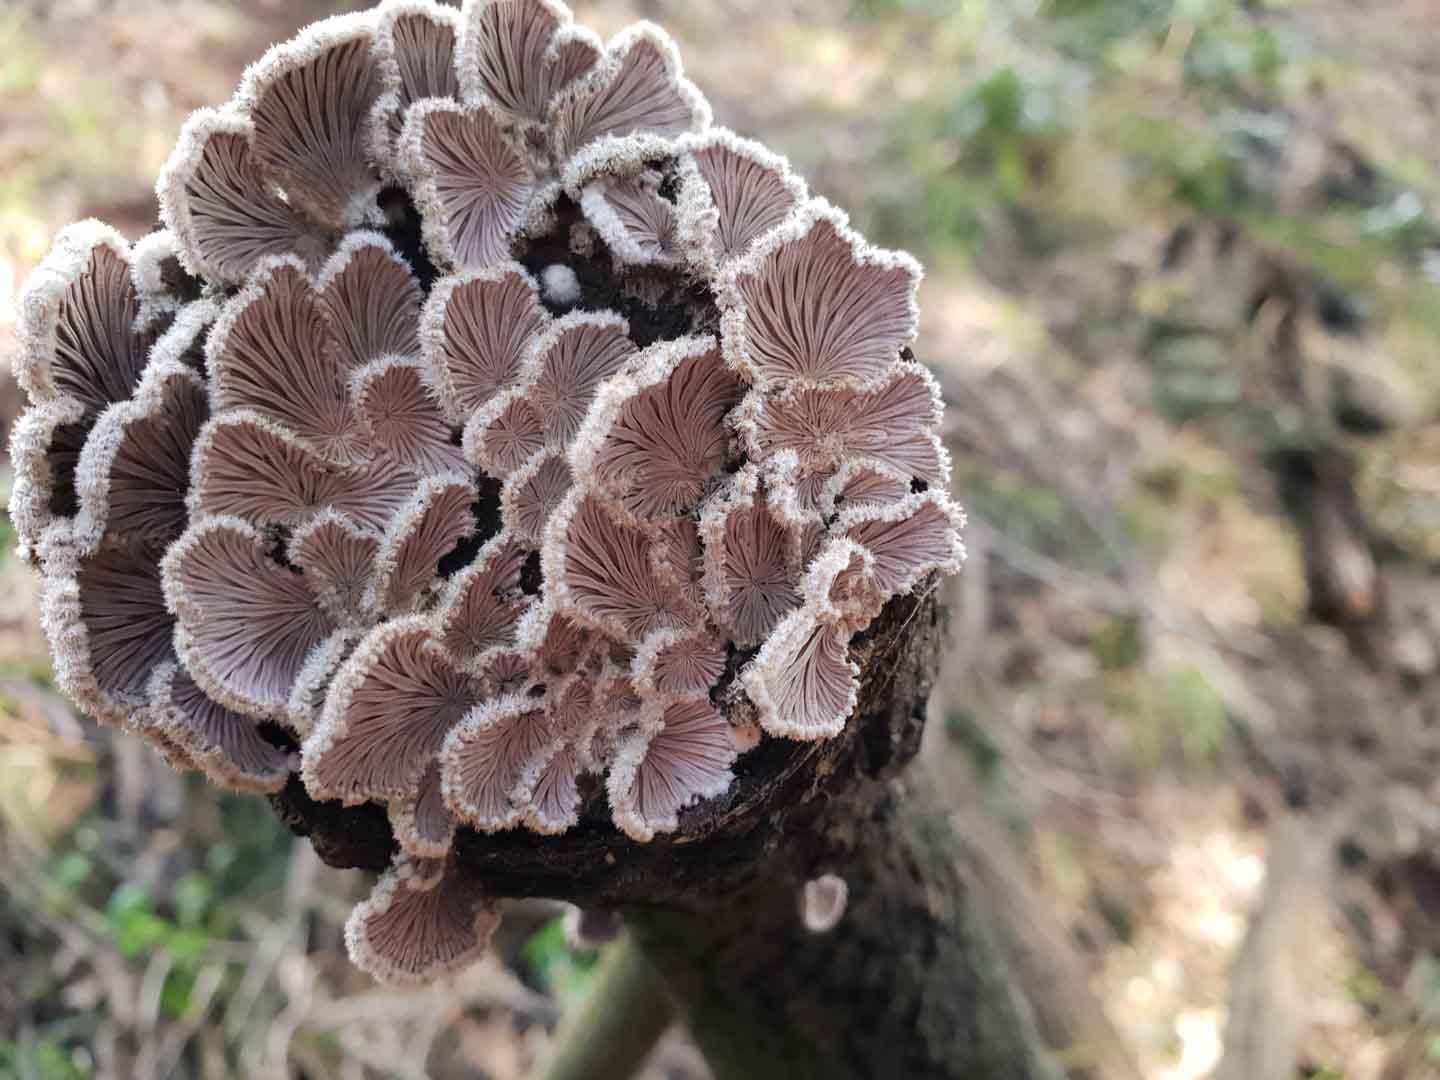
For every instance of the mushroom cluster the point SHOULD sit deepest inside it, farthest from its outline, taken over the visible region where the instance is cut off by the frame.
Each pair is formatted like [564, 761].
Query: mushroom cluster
[484, 435]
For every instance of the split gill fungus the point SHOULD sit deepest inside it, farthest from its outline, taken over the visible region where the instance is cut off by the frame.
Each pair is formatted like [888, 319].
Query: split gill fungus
[485, 435]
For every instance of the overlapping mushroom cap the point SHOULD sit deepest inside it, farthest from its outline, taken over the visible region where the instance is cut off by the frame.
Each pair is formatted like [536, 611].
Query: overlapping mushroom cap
[485, 436]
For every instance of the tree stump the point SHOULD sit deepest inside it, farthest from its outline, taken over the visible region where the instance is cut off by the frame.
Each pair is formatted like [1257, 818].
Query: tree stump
[909, 983]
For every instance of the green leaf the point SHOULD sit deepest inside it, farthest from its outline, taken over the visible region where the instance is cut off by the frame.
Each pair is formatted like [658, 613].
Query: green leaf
[192, 898]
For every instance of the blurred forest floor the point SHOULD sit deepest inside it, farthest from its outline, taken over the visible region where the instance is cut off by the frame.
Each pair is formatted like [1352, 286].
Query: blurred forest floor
[1184, 300]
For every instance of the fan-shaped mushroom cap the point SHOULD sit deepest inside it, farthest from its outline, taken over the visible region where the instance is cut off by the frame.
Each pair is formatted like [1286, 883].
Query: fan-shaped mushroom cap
[107, 624]
[752, 561]
[45, 447]
[436, 518]
[567, 364]
[859, 483]
[338, 559]
[133, 470]
[161, 282]
[507, 671]
[414, 43]
[656, 435]
[245, 625]
[812, 302]
[422, 919]
[519, 53]
[486, 759]
[532, 494]
[892, 424]
[750, 189]
[679, 662]
[216, 199]
[802, 681]
[506, 433]
[676, 758]
[273, 351]
[227, 747]
[483, 603]
[422, 822]
[83, 337]
[839, 585]
[310, 99]
[472, 184]
[248, 466]
[372, 298]
[554, 804]
[557, 643]
[387, 714]
[600, 569]
[637, 223]
[77, 319]
[475, 331]
[909, 539]
[401, 413]
[638, 88]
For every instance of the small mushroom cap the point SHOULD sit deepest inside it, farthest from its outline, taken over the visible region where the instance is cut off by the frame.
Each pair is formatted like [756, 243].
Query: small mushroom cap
[386, 716]
[640, 226]
[77, 332]
[338, 558]
[684, 663]
[802, 681]
[490, 761]
[45, 447]
[566, 366]
[750, 189]
[812, 302]
[372, 298]
[227, 747]
[421, 920]
[476, 329]
[425, 530]
[134, 468]
[246, 465]
[400, 410]
[638, 88]
[909, 539]
[414, 44]
[473, 185]
[273, 351]
[752, 560]
[532, 494]
[822, 903]
[600, 569]
[656, 436]
[892, 424]
[682, 755]
[423, 824]
[106, 620]
[482, 605]
[310, 100]
[222, 208]
[520, 53]
[245, 626]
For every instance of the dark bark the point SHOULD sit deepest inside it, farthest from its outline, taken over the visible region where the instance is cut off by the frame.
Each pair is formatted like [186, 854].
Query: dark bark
[909, 984]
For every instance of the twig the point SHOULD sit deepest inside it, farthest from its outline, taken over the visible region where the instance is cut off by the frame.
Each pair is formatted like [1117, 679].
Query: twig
[609, 1034]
